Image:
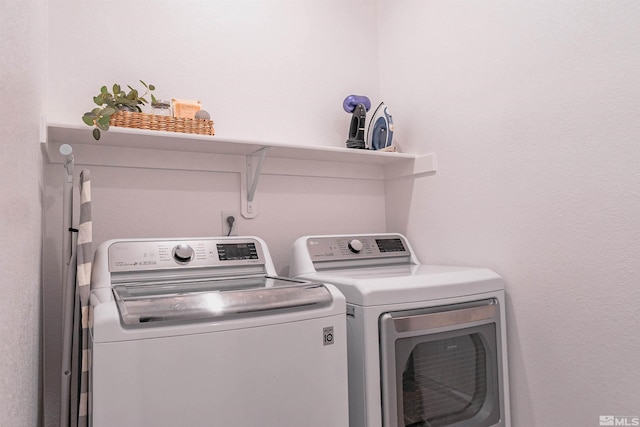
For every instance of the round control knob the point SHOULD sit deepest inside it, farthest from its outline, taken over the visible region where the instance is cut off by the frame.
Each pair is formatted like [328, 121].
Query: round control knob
[183, 253]
[355, 246]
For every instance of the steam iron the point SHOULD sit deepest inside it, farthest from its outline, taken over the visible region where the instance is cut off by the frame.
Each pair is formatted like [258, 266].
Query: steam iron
[380, 132]
[358, 106]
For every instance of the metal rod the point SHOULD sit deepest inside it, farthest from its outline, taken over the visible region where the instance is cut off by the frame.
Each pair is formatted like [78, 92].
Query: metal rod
[68, 285]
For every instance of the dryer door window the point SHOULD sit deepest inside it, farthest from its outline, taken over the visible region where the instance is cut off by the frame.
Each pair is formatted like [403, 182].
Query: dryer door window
[438, 372]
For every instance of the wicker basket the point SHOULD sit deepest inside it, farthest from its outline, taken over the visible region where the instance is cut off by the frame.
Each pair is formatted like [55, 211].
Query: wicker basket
[127, 119]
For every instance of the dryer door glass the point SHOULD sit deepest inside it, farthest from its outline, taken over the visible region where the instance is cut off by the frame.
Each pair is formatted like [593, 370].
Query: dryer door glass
[444, 374]
[444, 381]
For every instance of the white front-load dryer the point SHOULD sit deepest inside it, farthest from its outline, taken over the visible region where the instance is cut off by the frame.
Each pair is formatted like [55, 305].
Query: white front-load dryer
[200, 332]
[426, 344]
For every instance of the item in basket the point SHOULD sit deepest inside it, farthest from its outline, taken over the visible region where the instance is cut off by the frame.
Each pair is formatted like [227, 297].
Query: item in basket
[203, 114]
[185, 108]
[161, 108]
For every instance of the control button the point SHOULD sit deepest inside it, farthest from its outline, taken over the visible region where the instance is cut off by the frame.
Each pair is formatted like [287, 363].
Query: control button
[355, 246]
[183, 253]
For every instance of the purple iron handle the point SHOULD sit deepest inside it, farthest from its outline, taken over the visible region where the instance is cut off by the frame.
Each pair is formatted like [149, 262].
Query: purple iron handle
[351, 102]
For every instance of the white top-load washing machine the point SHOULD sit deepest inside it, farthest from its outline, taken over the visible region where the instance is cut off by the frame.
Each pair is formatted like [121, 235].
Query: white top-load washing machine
[200, 332]
[426, 343]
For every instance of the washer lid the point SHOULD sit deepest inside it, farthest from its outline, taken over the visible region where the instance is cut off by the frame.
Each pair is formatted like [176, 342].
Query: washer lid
[408, 283]
[215, 299]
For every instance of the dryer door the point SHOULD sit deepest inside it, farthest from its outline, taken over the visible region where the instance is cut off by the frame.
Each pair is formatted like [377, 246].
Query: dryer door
[441, 366]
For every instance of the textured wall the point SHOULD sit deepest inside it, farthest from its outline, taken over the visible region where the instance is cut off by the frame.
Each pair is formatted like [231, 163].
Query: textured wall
[532, 108]
[132, 202]
[22, 30]
[274, 70]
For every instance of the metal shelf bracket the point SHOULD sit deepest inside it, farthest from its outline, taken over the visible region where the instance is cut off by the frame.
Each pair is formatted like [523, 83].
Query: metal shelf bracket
[249, 182]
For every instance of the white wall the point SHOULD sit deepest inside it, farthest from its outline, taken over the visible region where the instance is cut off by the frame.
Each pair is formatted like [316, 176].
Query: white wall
[532, 108]
[133, 202]
[267, 71]
[275, 70]
[22, 31]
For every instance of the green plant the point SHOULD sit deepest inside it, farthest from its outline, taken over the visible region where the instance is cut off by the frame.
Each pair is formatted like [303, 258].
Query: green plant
[110, 102]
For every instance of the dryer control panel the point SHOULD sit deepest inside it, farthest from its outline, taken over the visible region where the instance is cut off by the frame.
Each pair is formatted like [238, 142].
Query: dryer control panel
[336, 248]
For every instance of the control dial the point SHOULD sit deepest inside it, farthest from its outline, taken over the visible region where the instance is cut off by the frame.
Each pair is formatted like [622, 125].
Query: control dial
[355, 246]
[183, 253]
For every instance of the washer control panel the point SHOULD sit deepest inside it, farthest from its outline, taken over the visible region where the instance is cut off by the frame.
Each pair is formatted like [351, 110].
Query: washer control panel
[336, 248]
[161, 254]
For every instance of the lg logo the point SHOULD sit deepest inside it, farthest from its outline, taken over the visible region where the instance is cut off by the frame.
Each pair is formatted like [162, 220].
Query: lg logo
[327, 335]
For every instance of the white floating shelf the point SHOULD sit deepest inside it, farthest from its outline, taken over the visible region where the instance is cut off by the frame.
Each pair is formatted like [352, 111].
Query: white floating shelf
[126, 147]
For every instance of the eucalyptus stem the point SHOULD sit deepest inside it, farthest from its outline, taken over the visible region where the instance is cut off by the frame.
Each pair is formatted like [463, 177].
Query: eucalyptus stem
[110, 102]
